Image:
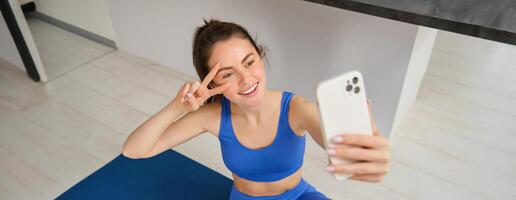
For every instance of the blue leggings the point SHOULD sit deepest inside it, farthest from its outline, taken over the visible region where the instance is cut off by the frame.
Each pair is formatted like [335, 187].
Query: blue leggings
[303, 191]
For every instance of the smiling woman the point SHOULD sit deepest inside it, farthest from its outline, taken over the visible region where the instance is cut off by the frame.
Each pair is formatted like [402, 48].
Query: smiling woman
[261, 131]
[209, 37]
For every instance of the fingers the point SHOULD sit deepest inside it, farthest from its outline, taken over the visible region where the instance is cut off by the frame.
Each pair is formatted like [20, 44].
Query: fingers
[184, 91]
[209, 77]
[200, 100]
[193, 103]
[220, 89]
[368, 141]
[206, 93]
[358, 153]
[188, 93]
[190, 97]
[361, 168]
[197, 92]
[371, 118]
[372, 178]
[193, 87]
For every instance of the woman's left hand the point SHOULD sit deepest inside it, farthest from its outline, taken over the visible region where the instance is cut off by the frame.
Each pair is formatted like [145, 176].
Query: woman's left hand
[371, 152]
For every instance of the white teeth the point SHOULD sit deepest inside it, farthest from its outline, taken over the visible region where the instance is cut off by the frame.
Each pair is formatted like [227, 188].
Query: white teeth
[250, 89]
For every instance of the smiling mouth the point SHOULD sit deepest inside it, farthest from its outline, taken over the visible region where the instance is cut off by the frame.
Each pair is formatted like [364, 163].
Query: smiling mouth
[250, 90]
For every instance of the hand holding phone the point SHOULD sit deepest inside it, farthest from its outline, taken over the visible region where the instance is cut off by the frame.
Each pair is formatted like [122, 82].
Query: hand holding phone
[343, 108]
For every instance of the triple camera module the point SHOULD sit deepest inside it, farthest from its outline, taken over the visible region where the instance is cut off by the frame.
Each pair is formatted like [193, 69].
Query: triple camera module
[352, 85]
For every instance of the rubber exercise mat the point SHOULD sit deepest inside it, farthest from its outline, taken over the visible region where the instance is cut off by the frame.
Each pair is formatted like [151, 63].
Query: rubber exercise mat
[168, 175]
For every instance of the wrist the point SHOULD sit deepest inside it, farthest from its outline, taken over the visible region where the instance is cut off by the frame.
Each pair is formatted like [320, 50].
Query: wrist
[176, 108]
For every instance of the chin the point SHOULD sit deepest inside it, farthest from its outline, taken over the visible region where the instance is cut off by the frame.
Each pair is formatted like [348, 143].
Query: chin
[258, 99]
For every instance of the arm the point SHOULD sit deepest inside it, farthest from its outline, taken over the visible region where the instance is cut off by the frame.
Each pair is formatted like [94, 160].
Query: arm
[167, 128]
[306, 118]
[163, 131]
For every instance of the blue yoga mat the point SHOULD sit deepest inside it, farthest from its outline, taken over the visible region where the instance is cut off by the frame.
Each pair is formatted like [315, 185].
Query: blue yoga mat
[168, 175]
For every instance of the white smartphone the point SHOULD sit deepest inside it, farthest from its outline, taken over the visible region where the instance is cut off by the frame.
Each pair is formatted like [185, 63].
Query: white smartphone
[343, 109]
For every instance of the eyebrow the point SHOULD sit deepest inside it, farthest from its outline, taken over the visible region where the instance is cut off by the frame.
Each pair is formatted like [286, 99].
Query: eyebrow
[229, 67]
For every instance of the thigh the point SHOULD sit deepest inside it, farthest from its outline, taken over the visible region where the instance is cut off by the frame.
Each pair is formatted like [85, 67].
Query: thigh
[312, 194]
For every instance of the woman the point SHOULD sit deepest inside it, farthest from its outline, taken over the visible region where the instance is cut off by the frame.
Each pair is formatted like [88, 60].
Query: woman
[261, 131]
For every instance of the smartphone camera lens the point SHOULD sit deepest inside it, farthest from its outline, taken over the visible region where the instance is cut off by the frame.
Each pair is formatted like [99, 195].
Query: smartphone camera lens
[349, 88]
[355, 80]
[357, 90]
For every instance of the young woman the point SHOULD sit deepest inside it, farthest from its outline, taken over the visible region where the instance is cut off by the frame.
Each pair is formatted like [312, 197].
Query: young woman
[261, 131]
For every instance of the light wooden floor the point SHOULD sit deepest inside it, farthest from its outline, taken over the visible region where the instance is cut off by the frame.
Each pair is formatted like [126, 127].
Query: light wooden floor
[456, 142]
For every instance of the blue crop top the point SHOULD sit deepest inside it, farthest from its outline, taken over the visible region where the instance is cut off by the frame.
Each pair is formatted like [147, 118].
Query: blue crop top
[281, 158]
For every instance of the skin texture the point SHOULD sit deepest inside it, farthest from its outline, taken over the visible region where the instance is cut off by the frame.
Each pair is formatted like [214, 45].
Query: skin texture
[235, 66]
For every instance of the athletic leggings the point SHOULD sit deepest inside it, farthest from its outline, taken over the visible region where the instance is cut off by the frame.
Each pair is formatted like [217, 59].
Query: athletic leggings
[303, 191]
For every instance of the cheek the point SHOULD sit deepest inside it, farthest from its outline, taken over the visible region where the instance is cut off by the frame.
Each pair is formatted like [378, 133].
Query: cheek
[259, 71]
[231, 90]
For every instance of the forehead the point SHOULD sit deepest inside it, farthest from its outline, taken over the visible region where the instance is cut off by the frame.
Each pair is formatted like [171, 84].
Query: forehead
[230, 52]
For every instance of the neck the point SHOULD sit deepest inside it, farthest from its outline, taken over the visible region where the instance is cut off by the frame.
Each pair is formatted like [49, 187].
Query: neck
[254, 115]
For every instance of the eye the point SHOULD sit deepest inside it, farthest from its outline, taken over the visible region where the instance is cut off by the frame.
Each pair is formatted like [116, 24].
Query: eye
[250, 63]
[227, 75]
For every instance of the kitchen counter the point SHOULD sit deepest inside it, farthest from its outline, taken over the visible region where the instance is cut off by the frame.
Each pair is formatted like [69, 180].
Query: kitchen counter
[488, 19]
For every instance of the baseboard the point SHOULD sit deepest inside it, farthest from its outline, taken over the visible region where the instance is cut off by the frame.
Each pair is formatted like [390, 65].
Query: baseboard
[74, 29]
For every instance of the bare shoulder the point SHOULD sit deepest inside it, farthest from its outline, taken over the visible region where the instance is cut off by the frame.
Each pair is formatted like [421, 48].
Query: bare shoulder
[305, 117]
[210, 116]
[299, 105]
[299, 108]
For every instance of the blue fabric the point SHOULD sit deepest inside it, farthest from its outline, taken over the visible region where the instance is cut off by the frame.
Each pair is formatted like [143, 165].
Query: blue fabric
[168, 175]
[303, 191]
[274, 162]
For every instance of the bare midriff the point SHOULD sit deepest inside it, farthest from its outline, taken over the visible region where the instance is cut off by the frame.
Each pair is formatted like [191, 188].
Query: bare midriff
[253, 188]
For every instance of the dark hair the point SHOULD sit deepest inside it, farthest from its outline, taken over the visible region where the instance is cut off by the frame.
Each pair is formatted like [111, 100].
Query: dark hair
[209, 34]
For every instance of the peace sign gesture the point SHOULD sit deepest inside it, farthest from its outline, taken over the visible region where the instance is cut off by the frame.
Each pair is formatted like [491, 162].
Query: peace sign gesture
[193, 94]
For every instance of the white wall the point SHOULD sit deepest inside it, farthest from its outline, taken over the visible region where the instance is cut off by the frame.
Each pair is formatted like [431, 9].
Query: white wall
[308, 42]
[90, 15]
[163, 30]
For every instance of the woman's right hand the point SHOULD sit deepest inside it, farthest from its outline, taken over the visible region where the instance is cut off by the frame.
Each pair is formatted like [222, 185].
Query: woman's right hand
[193, 94]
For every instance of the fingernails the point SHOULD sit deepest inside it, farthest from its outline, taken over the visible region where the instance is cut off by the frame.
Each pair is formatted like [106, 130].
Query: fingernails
[338, 139]
[331, 152]
[330, 168]
[189, 94]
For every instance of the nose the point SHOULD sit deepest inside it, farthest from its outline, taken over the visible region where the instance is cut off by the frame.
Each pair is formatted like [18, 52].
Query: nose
[245, 76]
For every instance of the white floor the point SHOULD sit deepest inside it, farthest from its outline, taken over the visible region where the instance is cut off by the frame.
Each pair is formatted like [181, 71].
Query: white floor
[457, 142]
[71, 50]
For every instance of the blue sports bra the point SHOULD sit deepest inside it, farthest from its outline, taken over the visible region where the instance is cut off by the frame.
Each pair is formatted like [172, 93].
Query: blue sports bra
[281, 158]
